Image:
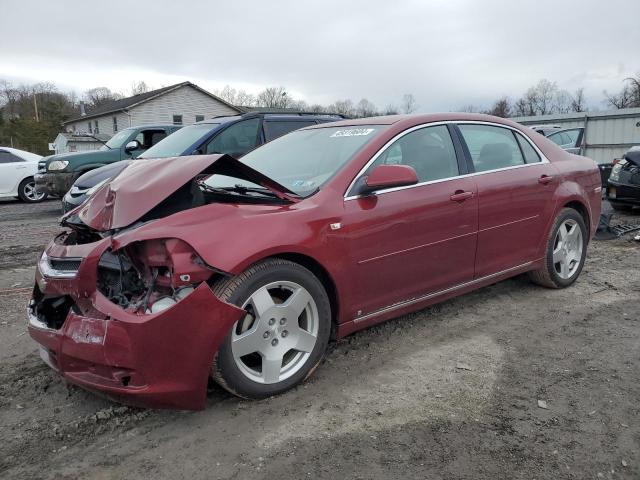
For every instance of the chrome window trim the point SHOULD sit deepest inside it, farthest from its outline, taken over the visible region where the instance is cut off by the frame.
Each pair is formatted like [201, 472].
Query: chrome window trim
[543, 158]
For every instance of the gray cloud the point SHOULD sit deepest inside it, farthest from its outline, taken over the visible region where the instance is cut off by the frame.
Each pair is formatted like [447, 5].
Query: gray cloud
[448, 53]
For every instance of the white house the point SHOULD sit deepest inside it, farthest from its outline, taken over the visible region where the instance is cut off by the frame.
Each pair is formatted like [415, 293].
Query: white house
[78, 142]
[180, 104]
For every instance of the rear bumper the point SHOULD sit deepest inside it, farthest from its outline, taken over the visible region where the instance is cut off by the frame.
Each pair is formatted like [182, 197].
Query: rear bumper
[624, 194]
[158, 360]
[55, 184]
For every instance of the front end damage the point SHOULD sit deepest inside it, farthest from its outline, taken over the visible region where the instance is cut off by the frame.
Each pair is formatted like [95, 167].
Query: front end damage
[139, 322]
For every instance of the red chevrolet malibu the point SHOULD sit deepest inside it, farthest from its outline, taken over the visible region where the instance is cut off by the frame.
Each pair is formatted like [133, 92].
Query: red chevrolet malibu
[181, 270]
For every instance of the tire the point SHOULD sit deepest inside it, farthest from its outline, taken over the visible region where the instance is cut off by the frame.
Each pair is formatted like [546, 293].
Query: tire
[269, 371]
[553, 274]
[27, 192]
[619, 207]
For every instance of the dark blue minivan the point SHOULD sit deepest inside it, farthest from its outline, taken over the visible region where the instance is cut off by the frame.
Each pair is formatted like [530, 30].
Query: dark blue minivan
[235, 135]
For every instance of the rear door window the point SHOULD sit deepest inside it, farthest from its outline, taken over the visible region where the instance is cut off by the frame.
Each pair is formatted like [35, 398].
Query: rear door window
[7, 157]
[236, 139]
[491, 147]
[276, 128]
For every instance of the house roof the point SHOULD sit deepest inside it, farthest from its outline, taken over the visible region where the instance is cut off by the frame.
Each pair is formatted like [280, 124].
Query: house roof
[126, 103]
[86, 137]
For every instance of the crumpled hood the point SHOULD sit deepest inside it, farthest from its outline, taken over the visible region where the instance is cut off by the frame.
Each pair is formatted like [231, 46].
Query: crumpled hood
[143, 184]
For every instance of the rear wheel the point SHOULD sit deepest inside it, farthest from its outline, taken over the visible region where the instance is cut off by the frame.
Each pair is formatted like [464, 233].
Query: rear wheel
[565, 251]
[284, 334]
[27, 191]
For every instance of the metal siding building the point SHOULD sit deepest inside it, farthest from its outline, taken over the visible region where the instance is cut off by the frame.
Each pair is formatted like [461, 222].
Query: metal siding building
[608, 135]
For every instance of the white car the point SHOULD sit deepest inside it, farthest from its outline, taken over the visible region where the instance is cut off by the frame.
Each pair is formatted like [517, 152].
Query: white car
[17, 168]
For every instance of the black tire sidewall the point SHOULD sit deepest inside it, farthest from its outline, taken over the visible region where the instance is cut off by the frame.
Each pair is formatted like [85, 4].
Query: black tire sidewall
[565, 215]
[225, 364]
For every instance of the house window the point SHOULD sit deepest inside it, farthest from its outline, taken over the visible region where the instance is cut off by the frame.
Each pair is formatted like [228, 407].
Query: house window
[89, 125]
[95, 127]
[177, 119]
[115, 124]
[199, 118]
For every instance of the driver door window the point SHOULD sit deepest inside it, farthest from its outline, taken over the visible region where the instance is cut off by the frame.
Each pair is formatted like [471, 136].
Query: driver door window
[237, 139]
[429, 151]
[148, 138]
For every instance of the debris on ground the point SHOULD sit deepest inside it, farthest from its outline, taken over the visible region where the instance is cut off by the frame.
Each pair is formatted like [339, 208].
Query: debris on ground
[543, 404]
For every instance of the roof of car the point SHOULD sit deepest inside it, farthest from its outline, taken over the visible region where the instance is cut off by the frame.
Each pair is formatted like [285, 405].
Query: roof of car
[271, 113]
[22, 153]
[417, 119]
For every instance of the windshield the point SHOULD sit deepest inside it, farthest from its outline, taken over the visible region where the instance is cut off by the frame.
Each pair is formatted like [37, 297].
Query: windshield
[303, 160]
[177, 143]
[117, 140]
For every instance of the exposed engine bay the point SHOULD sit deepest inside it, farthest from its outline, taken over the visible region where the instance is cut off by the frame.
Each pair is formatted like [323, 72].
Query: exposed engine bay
[151, 276]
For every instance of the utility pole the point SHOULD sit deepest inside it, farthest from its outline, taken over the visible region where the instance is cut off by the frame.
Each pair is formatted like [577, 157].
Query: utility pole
[35, 106]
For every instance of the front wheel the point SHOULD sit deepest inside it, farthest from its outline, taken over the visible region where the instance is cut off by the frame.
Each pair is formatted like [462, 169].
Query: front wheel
[566, 250]
[27, 191]
[283, 336]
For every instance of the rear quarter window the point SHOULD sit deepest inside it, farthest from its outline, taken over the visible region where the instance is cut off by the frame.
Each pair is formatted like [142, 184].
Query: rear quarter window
[274, 129]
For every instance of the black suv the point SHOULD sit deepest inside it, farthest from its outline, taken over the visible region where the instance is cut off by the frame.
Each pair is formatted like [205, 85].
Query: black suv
[235, 135]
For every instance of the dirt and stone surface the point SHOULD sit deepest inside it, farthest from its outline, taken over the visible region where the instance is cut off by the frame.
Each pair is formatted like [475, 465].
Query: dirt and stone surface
[455, 391]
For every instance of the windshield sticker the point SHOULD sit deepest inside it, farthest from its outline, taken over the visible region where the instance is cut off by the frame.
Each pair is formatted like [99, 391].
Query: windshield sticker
[353, 132]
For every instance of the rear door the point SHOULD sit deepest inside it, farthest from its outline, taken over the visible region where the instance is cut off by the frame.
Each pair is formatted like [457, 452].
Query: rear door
[515, 190]
[12, 170]
[410, 241]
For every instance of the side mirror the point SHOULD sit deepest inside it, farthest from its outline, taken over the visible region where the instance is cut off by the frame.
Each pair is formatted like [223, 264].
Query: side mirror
[132, 145]
[389, 176]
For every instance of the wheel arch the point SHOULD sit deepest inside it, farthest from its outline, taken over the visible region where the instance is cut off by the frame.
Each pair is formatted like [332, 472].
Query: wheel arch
[582, 209]
[322, 274]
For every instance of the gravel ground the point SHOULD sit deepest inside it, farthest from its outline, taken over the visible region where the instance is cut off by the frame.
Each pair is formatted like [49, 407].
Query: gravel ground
[453, 391]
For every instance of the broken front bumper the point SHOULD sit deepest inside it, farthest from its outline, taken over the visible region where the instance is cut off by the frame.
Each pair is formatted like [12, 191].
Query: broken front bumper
[54, 184]
[160, 360]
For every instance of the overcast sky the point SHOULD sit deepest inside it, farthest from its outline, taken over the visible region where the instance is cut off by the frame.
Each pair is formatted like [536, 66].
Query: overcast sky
[448, 53]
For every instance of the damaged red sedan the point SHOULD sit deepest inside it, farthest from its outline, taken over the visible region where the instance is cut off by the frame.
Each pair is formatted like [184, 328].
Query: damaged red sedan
[207, 267]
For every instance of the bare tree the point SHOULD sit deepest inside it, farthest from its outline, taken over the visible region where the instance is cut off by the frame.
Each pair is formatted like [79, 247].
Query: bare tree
[343, 107]
[562, 102]
[99, 96]
[628, 96]
[244, 99]
[578, 101]
[408, 104]
[469, 109]
[139, 87]
[501, 108]
[274, 97]
[391, 110]
[366, 109]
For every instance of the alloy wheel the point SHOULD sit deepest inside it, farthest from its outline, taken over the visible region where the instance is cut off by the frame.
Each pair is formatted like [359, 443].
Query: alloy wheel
[276, 337]
[567, 249]
[31, 193]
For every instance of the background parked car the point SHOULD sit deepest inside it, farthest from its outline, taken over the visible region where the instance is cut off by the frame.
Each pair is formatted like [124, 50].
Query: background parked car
[235, 135]
[623, 190]
[56, 173]
[17, 169]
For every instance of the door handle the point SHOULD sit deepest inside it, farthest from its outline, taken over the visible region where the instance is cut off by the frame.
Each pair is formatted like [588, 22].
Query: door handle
[461, 196]
[21, 167]
[545, 179]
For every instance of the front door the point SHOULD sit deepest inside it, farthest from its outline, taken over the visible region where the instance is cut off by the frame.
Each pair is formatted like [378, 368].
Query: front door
[515, 190]
[414, 240]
